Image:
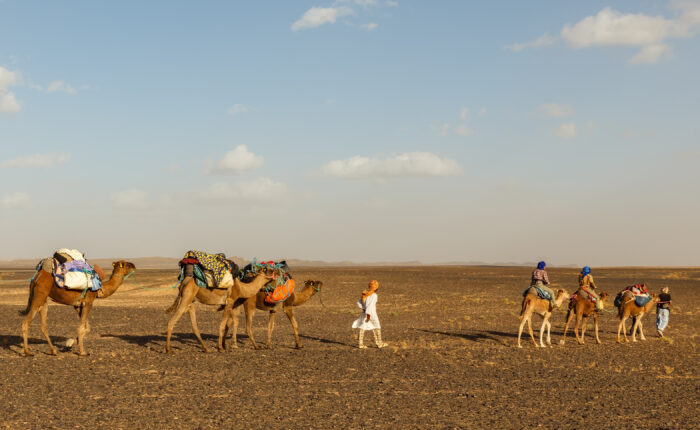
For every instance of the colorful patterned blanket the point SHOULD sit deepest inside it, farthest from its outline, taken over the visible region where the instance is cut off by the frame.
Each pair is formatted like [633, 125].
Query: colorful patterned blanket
[216, 263]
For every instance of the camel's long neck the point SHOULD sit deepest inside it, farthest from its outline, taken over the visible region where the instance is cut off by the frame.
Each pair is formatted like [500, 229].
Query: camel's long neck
[251, 288]
[111, 285]
[560, 300]
[304, 295]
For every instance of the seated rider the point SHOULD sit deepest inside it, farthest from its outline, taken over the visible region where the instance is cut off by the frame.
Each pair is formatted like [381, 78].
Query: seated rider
[585, 282]
[541, 281]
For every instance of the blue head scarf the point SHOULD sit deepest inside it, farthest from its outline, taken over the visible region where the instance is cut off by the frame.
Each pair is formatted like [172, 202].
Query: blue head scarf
[541, 265]
[585, 271]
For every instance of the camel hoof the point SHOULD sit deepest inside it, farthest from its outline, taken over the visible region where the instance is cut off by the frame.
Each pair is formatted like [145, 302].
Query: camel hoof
[256, 347]
[28, 353]
[54, 352]
[83, 354]
[598, 342]
[562, 342]
[633, 340]
[299, 346]
[520, 346]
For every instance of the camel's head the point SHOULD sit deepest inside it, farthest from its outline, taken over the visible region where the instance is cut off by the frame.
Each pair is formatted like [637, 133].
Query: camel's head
[562, 295]
[603, 296]
[654, 298]
[316, 285]
[123, 267]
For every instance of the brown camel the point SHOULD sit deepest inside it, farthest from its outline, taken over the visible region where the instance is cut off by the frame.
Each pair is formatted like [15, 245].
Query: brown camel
[250, 304]
[533, 304]
[190, 291]
[43, 286]
[628, 308]
[582, 308]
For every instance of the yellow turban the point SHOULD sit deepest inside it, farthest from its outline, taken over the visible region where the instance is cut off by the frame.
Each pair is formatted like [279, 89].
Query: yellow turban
[373, 285]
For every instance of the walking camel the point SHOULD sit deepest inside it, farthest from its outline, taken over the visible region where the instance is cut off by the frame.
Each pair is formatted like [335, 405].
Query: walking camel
[626, 308]
[582, 307]
[250, 304]
[189, 291]
[533, 304]
[43, 286]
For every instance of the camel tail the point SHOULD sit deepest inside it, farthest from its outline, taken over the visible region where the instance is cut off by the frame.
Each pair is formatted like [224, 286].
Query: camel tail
[29, 301]
[175, 304]
[526, 301]
[32, 283]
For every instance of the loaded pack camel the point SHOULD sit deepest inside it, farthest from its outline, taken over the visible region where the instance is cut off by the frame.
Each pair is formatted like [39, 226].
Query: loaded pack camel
[189, 291]
[533, 304]
[297, 298]
[582, 307]
[43, 287]
[626, 308]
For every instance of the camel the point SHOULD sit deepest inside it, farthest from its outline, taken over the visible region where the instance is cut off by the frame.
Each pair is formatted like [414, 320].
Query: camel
[628, 308]
[189, 291]
[533, 304]
[582, 308]
[250, 304]
[43, 286]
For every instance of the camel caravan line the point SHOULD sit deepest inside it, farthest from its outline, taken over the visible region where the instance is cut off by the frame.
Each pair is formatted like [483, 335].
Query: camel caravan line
[633, 301]
[212, 279]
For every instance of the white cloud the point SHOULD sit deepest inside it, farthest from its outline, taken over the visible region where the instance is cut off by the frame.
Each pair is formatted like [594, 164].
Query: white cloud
[36, 160]
[612, 28]
[463, 114]
[482, 111]
[404, 165]
[566, 131]
[443, 129]
[16, 200]
[370, 26]
[133, 198]
[237, 109]
[60, 86]
[8, 102]
[260, 190]
[555, 110]
[544, 40]
[318, 16]
[652, 54]
[236, 161]
[463, 130]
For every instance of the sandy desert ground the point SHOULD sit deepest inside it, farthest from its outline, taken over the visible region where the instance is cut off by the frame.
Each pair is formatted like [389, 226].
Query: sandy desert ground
[452, 361]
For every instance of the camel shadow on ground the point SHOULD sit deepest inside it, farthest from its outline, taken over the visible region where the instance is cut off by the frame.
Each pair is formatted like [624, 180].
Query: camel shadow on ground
[474, 337]
[7, 342]
[322, 340]
[157, 341]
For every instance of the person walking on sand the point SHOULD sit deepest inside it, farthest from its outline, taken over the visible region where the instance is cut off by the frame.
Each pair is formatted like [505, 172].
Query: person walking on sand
[541, 281]
[663, 309]
[585, 281]
[369, 319]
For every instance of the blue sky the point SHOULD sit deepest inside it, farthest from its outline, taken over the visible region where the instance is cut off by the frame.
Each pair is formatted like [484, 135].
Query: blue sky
[352, 130]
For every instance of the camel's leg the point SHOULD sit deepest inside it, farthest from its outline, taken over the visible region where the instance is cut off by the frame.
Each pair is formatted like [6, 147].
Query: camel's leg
[529, 327]
[549, 328]
[188, 294]
[569, 316]
[523, 320]
[584, 320]
[576, 327]
[195, 328]
[595, 324]
[270, 327]
[290, 314]
[635, 327]
[619, 329]
[641, 328]
[44, 313]
[624, 327]
[542, 327]
[249, 326]
[84, 327]
[38, 300]
[233, 320]
[227, 314]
